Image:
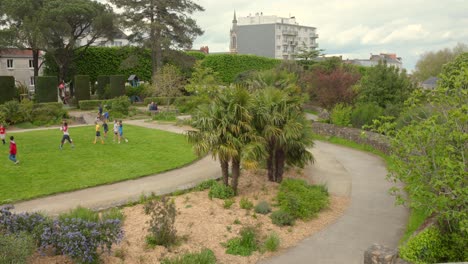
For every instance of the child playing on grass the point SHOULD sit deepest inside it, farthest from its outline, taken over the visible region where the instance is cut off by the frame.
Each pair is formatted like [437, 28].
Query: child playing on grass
[116, 130]
[66, 135]
[2, 133]
[13, 150]
[121, 136]
[106, 128]
[98, 133]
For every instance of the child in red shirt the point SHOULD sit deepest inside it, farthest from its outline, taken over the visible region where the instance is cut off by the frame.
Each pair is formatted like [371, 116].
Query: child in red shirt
[13, 150]
[2, 133]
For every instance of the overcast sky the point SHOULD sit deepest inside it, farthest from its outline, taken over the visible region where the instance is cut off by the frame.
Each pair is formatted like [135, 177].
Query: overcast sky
[352, 28]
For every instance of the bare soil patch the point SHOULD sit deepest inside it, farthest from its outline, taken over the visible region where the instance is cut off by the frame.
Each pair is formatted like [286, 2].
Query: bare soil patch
[204, 223]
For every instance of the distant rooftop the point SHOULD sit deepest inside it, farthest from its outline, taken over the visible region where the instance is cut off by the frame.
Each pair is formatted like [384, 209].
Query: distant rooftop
[259, 18]
[16, 53]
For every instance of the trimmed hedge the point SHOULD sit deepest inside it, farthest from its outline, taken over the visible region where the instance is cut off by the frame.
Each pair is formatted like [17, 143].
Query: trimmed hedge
[82, 87]
[196, 54]
[46, 89]
[117, 85]
[102, 81]
[91, 104]
[230, 65]
[7, 88]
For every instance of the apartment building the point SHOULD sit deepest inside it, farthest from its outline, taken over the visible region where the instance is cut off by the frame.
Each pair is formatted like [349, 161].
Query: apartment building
[19, 64]
[271, 36]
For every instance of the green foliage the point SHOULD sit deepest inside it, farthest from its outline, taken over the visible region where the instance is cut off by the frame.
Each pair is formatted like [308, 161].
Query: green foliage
[11, 112]
[300, 199]
[82, 88]
[272, 242]
[161, 225]
[16, 248]
[205, 256]
[459, 68]
[221, 191]
[228, 203]
[262, 208]
[196, 54]
[282, 218]
[414, 115]
[46, 89]
[7, 88]
[385, 85]
[165, 116]
[48, 114]
[426, 247]
[119, 106]
[113, 213]
[102, 82]
[117, 85]
[228, 66]
[203, 82]
[244, 245]
[363, 114]
[205, 185]
[245, 203]
[91, 104]
[161, 100]
[341, 115]
[80, 213]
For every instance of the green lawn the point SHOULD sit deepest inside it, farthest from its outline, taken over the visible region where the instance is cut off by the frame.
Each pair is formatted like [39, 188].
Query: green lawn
[44, 169]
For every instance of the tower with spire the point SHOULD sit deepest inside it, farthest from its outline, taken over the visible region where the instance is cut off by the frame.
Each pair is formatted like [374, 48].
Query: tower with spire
[233, 35]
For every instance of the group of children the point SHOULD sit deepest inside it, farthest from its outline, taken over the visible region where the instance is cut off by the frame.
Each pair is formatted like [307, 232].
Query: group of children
[13, 150]
[118, 135]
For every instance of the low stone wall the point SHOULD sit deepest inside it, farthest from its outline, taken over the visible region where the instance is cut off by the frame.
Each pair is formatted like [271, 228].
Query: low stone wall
[375, 140]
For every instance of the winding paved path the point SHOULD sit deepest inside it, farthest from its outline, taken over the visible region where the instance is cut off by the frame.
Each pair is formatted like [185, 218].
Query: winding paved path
[371, 217]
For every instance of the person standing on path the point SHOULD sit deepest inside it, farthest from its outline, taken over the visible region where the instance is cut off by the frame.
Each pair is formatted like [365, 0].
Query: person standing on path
[13, 150]
[98, 133]
[121, 136]
[66, 135]
[2, 133]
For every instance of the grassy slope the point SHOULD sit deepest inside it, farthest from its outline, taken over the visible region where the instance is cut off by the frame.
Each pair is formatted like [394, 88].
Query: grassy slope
[417, 217]
[45, 169]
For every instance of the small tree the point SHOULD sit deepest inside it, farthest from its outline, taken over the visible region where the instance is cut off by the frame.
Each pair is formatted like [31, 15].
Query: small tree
[168, 82]
[162, 230]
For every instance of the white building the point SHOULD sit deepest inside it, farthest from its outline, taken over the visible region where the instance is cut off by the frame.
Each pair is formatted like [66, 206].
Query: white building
[390, 59]
[271, 36]
[19, 64]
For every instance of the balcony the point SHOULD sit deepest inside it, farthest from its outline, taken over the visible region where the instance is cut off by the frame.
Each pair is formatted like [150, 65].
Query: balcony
[290, 32]
[313, 35]
[314, 45]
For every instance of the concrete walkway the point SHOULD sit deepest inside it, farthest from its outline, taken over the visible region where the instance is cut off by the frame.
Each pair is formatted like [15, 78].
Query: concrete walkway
[371, 217]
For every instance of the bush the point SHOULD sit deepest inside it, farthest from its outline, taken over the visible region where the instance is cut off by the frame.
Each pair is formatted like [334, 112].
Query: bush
[162, 230]
[7, 88]
[282, 218]
[119, 106]
[102, 82]
[205, 185]
[221, 191]
[205, 256]
[11, 112]
[165, 116]
[272, 242]
[363, 114]
[426, 247]
[245, 203]
[262, 208]
[228, 203]
[82, 88]
[91, 104]
[341, 115]
[16, 248]
[196, 54]
[244, 245]
[161, 100]
[300, 199]
[48, 114]
[46, 89]
[117, 85]
[188, 104]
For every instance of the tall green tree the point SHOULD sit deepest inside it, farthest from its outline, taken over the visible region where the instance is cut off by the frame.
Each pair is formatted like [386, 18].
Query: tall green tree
[430, 63]
[21, 21]
[278, 118]
[384, 85]
[69, 26]
[160, 24]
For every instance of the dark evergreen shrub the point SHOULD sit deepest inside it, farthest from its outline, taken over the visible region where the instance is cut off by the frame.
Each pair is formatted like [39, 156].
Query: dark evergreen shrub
[82, 88]
[46, 89]
[7, 88]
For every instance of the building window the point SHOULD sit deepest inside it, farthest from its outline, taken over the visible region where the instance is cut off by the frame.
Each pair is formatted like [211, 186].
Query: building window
[31, 64]
[117, 43]
[233, 42]
[278, 47]
[278, 36]
[279, 27]
[10, 64]
[32, 81]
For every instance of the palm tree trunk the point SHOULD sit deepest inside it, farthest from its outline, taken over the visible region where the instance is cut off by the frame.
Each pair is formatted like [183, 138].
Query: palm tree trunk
[235, 174]
[225, 171]
[280, 159]
[270, 167]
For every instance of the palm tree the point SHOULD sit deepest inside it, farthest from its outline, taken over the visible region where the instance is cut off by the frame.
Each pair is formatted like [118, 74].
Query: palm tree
[280, 121]
[224, 128]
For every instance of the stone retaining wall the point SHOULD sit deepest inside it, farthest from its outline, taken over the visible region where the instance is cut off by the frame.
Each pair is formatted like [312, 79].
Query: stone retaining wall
[375, 140]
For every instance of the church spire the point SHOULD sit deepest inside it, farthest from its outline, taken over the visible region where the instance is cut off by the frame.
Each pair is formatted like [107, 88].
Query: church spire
[235, 19]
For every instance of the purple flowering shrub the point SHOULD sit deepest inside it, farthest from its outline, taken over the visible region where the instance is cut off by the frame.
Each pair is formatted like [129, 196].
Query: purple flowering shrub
[74, 237]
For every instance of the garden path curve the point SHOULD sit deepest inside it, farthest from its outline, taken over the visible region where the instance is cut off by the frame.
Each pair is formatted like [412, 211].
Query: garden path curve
[371, 217]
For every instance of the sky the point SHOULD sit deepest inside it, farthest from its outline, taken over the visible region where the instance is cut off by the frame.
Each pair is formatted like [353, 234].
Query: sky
[351, 28]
